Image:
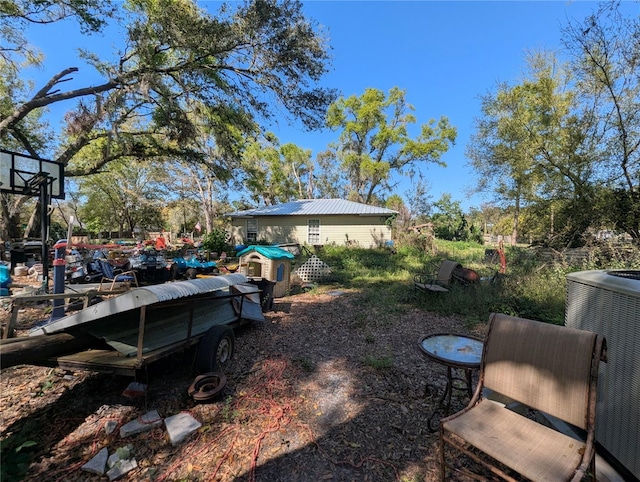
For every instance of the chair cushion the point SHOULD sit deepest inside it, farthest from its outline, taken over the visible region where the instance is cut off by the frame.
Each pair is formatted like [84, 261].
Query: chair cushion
[532, 449]
[124, 277]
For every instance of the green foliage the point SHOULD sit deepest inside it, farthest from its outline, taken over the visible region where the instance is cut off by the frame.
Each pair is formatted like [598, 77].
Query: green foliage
[217, 241]
[46, 385]
[559, 148]
[57, 231]
[450, 223]
[374, 141]
[16, 454]
[229, 413]
[604, 50]
[276, 174]
[530, 288]
[126, 198]
[422, 241]
[378, 362]
[184, 80]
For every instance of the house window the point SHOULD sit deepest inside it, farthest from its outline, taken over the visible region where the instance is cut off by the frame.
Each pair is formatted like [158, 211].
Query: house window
[252, 230]
[313, 235]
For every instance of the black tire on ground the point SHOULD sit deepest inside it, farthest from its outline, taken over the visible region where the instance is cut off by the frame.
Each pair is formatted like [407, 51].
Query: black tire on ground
[215, 349]
[191, 273]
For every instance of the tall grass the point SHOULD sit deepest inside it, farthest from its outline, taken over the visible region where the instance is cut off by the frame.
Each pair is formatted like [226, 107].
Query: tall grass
[530, 288]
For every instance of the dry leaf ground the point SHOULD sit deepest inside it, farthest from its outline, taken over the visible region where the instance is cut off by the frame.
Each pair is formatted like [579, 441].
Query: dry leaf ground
[325, 389]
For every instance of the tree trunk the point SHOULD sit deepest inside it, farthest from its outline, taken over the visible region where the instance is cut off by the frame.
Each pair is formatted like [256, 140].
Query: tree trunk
[35, 350]
[516, 219]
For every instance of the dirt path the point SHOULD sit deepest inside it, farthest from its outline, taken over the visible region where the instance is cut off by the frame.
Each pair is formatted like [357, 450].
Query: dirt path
[326, 389]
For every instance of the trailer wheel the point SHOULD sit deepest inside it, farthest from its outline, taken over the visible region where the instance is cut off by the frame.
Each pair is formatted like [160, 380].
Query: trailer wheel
[215, 349]
[191, 273]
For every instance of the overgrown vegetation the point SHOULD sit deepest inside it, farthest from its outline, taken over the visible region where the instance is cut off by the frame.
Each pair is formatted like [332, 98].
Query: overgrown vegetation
[532, 287]
[217, 240]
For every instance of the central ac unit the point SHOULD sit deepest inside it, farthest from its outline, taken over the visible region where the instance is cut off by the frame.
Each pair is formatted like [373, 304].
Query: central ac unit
[608, 302]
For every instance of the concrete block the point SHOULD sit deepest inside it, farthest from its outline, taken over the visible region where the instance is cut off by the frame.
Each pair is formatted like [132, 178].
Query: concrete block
[180, 426]
[97, 464]
[144, 423]
[121, 468]
[110, 426]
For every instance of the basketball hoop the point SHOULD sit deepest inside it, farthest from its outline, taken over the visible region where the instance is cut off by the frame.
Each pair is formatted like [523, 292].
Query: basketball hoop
[30, 176]
[27, 176]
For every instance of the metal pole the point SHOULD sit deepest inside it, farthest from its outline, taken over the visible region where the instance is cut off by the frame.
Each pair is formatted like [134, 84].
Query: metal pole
[44, 230]
[59, 268]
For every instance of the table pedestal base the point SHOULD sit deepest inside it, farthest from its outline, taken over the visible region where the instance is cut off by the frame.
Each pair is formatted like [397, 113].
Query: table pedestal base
[444, 404]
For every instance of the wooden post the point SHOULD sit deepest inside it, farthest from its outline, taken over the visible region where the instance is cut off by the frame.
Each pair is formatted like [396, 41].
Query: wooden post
[143, 313]
[8, 332]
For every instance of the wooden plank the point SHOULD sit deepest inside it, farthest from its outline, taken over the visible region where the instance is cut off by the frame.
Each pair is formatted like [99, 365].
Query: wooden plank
[111, 361]
[104, 361]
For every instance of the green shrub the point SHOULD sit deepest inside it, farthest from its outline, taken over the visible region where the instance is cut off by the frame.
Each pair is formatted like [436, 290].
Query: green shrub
[217, 241]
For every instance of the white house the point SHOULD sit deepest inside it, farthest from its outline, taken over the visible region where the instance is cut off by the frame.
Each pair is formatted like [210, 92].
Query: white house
[313, 222]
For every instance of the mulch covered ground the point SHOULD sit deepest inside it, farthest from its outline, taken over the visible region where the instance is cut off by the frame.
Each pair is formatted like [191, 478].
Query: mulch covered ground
[325, 389]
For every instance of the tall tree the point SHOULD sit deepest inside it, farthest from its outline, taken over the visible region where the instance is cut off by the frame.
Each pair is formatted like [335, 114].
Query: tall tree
[420, 201]
[275, 174]
[605, 50]
[234, 66]
[501, 150]
[301, 168]
[375, 142]
[329, 181]
[449, 222]
[532, 146]
[125, 198]
[16, 15]
[197, 190]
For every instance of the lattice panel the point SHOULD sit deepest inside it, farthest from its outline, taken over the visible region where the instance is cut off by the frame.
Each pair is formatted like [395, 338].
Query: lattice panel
[314, 269]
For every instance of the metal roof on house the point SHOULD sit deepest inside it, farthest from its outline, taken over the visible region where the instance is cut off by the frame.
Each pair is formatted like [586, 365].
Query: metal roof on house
[315, 207]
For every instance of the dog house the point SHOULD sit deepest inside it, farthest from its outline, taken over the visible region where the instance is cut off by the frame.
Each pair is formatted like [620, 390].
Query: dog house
[268, 262]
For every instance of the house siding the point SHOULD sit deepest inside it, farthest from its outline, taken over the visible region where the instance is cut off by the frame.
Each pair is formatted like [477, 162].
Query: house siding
[363, 231]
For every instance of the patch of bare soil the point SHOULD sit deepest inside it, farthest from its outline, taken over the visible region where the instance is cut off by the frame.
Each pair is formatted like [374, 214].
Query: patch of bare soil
[325, 389]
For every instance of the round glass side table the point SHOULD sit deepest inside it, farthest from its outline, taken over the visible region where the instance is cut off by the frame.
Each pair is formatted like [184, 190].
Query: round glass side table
[456, 352]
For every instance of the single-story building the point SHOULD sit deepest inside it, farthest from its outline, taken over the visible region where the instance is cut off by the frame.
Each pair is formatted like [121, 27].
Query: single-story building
[313, 222]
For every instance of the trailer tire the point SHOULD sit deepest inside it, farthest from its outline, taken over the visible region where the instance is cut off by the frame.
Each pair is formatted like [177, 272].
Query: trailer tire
[215, 349]
[191, 273]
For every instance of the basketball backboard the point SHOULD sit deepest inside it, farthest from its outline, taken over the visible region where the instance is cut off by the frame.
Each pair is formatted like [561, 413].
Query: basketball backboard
[20, 174]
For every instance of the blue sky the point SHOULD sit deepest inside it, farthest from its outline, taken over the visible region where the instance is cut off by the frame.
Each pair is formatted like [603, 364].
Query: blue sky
[444, 54]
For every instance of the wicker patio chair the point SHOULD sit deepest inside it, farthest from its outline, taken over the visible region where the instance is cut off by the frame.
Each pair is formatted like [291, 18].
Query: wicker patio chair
[438, 281]
[548, 368]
